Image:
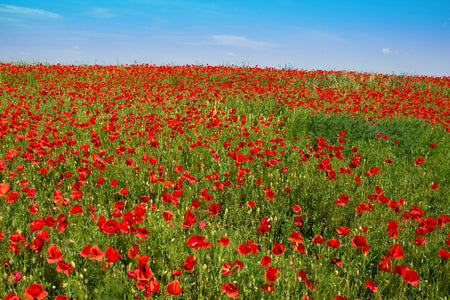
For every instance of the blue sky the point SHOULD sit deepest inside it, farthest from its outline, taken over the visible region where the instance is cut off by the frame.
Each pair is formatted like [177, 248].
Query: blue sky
[411, 37]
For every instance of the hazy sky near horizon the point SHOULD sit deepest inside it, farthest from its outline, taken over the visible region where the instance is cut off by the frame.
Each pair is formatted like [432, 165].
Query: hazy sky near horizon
[385, 36]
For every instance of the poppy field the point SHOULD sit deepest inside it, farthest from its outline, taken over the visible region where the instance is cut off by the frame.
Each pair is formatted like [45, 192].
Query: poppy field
[206, 182]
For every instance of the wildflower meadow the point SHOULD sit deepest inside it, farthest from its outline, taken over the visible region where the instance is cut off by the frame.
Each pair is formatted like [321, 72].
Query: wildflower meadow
[217, 182]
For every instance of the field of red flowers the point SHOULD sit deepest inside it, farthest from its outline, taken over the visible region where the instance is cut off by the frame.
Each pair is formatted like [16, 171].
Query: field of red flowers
[204, 182]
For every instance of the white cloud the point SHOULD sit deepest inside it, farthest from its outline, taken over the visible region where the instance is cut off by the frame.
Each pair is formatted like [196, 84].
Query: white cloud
[28, 12]
[100, 12]
[388, 51]
[241, 42]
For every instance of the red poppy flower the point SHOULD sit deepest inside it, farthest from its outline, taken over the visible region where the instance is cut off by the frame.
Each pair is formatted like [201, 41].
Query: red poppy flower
[143, 271]
[385, 264]
[11, 197]
[416, 213]
[16, 277]
[253, 247]
[265, 261]
[123, 191]
[295, 237]
[371, 286]
[64, 267]
[111, 255]
[43, 171]
[343, 231]
[111, 227]
[223, 241]
[268, 288]
[76, 209]
[197, 241]
[339, 298]
[269, 193]
[271, 274]
[373, 171]
[407, 274]
[33, 209]
[264, 227]
[37, 244]
[301, 275]
[35, 290]
[278, 249]
[151, 287]
[189, 264]
[419, 241]
[318, 239]
[213, 209]
[421, 231]
[298, 220]
[167, 215]
[228, 269]
[444, 254]
[174, 288]
[296, 208]
[243, 249]
[86, 251]
[54, 254]
[190, 219]
[412, 278]
[358, 241]
[419, 161]
[62, 220]
[334, 243]
[435, 186]
[132, 252]
[342, 200]
[230, 289]
[336, 261]
[36, 225]
[396, 251]
[96, 253]
[141, 233]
